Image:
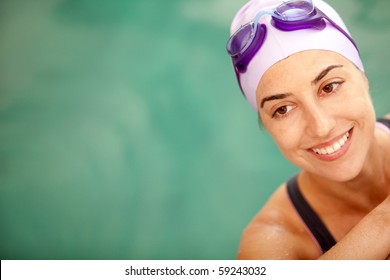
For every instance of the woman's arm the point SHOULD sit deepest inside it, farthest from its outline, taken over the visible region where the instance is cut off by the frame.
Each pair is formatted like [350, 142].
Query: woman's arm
[271, 235]
[276, 232]
[369, 239]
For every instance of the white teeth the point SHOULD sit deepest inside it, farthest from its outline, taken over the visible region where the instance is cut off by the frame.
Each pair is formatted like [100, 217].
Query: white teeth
[336, 146]
[333, 148]
[329, 150]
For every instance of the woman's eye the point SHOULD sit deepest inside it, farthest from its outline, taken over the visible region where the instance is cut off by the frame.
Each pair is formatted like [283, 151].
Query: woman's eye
[282, 111]
[329, 88]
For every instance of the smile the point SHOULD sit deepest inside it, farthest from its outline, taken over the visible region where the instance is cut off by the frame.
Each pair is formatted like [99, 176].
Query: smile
[334, 147]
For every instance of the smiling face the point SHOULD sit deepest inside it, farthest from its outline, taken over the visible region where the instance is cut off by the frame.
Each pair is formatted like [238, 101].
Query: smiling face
[316, 106]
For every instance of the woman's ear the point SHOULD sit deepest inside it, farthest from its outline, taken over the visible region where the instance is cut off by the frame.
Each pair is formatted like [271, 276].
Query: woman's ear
[260, 122]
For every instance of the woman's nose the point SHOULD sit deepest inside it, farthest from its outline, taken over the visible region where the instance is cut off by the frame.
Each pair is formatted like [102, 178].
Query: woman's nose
[319, 122]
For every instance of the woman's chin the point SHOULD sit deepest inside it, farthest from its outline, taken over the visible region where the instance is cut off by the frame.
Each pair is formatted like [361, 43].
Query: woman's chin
[341, 175]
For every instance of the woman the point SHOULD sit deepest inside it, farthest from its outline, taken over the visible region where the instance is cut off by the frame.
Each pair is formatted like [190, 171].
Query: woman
[301, 71]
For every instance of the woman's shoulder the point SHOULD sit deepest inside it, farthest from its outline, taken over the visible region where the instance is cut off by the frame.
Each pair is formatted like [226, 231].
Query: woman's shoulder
[276, 232]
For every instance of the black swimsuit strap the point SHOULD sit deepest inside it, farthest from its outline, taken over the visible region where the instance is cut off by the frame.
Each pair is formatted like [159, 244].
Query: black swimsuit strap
[386, 122]
[309, 216]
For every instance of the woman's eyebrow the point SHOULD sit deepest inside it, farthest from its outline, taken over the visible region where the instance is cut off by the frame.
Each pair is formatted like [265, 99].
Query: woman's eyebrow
[322, 74]
[274, 97]
[325, 72]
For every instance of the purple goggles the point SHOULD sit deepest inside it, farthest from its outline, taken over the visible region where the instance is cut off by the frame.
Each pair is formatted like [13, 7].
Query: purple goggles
[289, 16]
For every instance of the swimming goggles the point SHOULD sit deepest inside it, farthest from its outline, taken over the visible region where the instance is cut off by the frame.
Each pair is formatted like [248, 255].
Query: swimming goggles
[288, 16]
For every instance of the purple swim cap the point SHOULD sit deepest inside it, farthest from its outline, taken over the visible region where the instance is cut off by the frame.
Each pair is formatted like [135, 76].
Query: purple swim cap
[279, 44]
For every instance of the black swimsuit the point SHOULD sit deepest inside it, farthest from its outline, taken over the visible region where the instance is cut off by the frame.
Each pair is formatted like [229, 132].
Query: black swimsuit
[313, 222]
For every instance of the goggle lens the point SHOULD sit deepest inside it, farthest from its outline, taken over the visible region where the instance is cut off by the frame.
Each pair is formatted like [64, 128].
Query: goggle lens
[241, 39]
[294, 10]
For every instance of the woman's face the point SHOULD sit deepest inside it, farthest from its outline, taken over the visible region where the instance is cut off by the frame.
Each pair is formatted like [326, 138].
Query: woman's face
[316, 106]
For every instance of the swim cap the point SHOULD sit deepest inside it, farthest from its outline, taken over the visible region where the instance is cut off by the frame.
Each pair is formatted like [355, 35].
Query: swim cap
[280, 44]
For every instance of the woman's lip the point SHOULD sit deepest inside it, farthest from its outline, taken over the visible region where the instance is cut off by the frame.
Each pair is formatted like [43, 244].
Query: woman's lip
[336, 154]
[331, 142]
